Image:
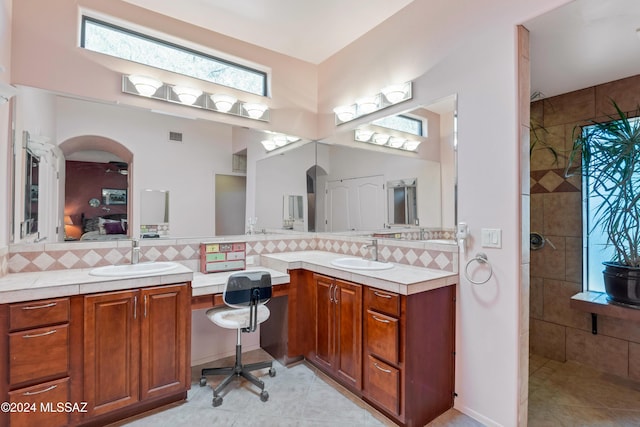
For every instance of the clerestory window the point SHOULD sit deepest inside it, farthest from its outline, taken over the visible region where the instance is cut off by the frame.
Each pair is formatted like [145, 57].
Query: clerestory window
[109, 39]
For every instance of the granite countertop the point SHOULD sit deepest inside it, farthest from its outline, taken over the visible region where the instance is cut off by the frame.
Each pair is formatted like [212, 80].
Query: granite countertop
[402, 279]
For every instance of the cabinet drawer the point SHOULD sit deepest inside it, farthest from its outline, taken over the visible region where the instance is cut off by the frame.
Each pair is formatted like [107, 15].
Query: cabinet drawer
[385, 302]
[38, 313]
[38, 354]
[383, 385]
[382, 336]
[37, 405]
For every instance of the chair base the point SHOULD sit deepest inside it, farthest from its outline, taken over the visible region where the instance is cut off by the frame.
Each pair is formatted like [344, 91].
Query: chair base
[238, 370]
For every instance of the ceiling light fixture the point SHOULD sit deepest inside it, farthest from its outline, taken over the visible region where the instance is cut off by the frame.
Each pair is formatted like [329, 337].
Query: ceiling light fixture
[192, 97]
[390, 95]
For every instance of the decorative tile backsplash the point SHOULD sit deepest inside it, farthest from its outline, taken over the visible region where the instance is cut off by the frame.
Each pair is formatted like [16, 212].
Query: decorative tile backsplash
[4, 261]
[30, 258]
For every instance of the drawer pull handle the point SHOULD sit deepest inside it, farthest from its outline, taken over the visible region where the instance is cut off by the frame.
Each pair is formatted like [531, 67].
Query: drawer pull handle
[31, 393]
[380, 320]
[388, 371]
[53, 331]
[382, 295]
[35, 307]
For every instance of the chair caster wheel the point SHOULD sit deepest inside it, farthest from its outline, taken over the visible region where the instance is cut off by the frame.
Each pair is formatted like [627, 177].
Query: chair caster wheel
[203, 382]
[217, 401]
[264, 396]
[272, 372]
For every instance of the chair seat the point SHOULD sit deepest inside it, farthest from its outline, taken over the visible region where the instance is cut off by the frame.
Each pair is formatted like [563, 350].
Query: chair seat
[236, 318]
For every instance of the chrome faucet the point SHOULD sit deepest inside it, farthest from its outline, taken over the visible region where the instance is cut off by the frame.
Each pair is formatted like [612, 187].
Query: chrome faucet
[374, 246]
[135, 251]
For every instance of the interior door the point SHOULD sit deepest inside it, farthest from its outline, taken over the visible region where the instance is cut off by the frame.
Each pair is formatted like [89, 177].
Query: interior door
[355, 204]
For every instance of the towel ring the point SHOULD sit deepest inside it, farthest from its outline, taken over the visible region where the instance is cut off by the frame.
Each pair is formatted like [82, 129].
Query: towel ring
[481, 258]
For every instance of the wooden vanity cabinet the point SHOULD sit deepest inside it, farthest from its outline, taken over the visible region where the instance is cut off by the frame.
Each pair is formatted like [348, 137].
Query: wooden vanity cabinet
[136, 347]
[409, 353]
[39, 337]
[338, 329]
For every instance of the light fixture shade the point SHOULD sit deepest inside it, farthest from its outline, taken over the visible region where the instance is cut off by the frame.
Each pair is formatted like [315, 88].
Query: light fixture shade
[397, 141]
[254, 110]
[411, 145]
[363, 135]
[186, 95]
[345, 112]
[395, 93]
[223, 102]
[380, 138]
[145, 86]
[68, 220]
[268, 144]
[367, 104]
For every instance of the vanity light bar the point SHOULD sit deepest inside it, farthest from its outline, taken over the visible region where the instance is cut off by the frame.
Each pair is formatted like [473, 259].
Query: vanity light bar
[278, 140]
[150, 87]
[385, 140]
[390, 95]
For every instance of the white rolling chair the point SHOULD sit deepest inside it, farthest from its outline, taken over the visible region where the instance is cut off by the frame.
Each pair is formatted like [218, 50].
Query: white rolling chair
[246, 293]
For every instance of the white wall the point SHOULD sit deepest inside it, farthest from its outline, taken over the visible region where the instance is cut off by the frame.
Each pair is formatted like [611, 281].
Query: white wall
[5, 139]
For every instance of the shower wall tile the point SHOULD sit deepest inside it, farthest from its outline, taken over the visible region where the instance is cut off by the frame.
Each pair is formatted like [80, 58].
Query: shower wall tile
[557, 295]
[605, 353]
[568, 108]
[547, 339]
[619, 328]
[536, 301]
[546, 142]
[562, 214]
[537, 213]
[634, 361]
[573, 259]
[625, 92]
[549, 262]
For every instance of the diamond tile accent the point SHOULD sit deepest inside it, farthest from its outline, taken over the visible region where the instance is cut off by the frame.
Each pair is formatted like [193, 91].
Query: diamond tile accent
[442, 260]
[354, 249]
[411, 257]
[385, 253]
[170, 253]
[258, 247]
[43, 261]
[91, 258]
[398, 255]
[114, 256]
[18, 263]
[270, 247]
[69, 259]
[303, 245]
[187, 252]
[282, 245]
[293, 245]
[152, 254]
[425, 258]
[550, 181]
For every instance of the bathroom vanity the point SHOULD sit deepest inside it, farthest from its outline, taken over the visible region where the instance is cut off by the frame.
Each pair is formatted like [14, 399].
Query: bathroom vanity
[387, 336]
[105, 349]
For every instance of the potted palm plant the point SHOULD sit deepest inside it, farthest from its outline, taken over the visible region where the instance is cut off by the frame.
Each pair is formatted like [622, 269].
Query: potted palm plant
[610, 158]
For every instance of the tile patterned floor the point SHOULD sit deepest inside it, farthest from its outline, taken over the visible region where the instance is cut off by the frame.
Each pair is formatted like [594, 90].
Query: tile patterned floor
[560, 395]
[572, 395]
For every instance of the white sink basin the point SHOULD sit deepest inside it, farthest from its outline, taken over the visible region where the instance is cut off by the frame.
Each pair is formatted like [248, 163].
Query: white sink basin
[361, 264]
[140, 269]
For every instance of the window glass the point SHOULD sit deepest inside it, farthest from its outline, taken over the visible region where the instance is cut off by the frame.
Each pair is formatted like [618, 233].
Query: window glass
[112, 40]
[401, 123]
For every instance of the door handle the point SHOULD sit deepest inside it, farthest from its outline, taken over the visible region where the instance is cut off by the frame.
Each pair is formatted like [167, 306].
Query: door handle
[53, 331]
[331, 293]
[35, 307]
[381, 295]
[380, 320]
[388, 371]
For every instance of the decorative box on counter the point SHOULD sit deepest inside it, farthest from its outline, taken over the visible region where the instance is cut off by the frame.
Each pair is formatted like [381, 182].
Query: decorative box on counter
[223, 256]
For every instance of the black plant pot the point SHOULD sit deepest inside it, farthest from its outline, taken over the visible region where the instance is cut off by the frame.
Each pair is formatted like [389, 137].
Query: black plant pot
[622, 283]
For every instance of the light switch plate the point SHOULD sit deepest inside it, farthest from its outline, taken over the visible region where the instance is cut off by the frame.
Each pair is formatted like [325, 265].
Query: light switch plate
[491, 238]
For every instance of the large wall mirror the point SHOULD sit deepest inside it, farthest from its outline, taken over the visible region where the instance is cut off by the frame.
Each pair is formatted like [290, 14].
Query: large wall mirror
[337, 184]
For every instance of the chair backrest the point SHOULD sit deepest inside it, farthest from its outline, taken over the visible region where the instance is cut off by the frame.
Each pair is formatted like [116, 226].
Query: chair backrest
[243, 287]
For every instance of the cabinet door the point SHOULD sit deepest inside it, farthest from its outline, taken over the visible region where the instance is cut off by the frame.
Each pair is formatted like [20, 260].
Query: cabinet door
[348, 332]
[111, 351]
[164, 337]
[324, 346]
